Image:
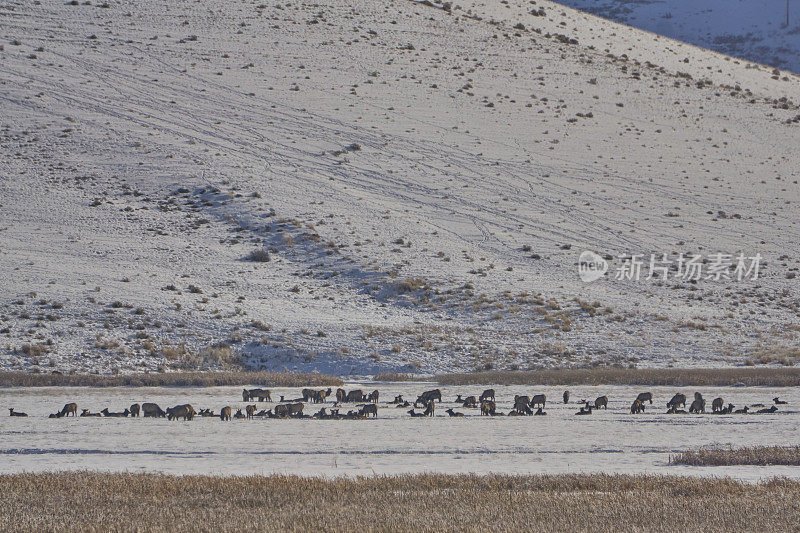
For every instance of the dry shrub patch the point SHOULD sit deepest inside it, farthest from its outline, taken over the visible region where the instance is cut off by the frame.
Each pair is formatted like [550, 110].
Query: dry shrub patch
[394, 376]
[720, 377]
[171, 379]
[750, 455]
[429, 502]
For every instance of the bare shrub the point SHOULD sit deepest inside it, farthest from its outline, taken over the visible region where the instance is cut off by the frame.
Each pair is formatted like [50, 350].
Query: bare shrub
[260, 255]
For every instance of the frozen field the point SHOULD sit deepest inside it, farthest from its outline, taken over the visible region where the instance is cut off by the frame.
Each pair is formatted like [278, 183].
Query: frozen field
[612, 441]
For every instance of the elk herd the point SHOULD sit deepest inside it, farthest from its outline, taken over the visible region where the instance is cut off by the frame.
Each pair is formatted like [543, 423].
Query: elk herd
[366, 406]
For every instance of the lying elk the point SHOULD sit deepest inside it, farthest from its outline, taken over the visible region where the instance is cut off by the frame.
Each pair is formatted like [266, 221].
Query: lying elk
[16, 413]
[288, 410]
[452, 413]
[85, 412]
[108, 413]
[239, 415]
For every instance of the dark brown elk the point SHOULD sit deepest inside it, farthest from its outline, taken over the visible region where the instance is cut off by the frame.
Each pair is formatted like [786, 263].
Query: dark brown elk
[677, 400]
[451, 413]
[134, 409]
[470, 402]
[566, 396]
[225, 413]
[488, 407]
[637, 407]
[398, 399]
[369, 409]
[768, 409]
[11, 412]
[585, 410]
[742, 411]
[288, 410]
[414, 414]
[184, 411]
[85, 412]
[373, 396]
[70, 408]
[430, 408]
[522, 405]
[108, 413]
[152, 410]
[645, 397]
[778, 401]
[429, 396]
[717, 405]
[698, 406]
[355, 396]
[538, 399]
[250, 409]
[601, 401]
[261, 395]
[488, 394]
[238, 415]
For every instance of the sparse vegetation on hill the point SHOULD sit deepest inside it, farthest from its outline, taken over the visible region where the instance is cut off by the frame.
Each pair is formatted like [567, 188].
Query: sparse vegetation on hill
[173, 379]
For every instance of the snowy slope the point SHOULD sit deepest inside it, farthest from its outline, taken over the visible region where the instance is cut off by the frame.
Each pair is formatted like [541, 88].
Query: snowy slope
[755, 30]
[424, 178]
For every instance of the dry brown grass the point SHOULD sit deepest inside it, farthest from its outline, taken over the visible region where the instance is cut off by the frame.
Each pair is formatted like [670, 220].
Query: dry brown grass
[723, 377]
[154, 502]
[394, 376]
[750, 455]
[171, 379]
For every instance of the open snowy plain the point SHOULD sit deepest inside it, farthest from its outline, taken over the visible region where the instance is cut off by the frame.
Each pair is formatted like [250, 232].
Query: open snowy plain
[416, 180]
[608, 441]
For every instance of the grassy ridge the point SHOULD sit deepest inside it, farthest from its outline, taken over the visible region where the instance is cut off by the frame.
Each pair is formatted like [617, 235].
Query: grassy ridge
[751, 455]
[708, 377]
[429, 502]
[175, 379]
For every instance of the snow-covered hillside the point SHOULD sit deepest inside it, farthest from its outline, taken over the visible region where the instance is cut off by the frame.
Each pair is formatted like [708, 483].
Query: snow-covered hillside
[417, 181]
[755, 30]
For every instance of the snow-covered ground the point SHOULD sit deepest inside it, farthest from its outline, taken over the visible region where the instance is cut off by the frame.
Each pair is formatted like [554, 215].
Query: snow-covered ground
[755, 30]
[423, 177]
[606, 441]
